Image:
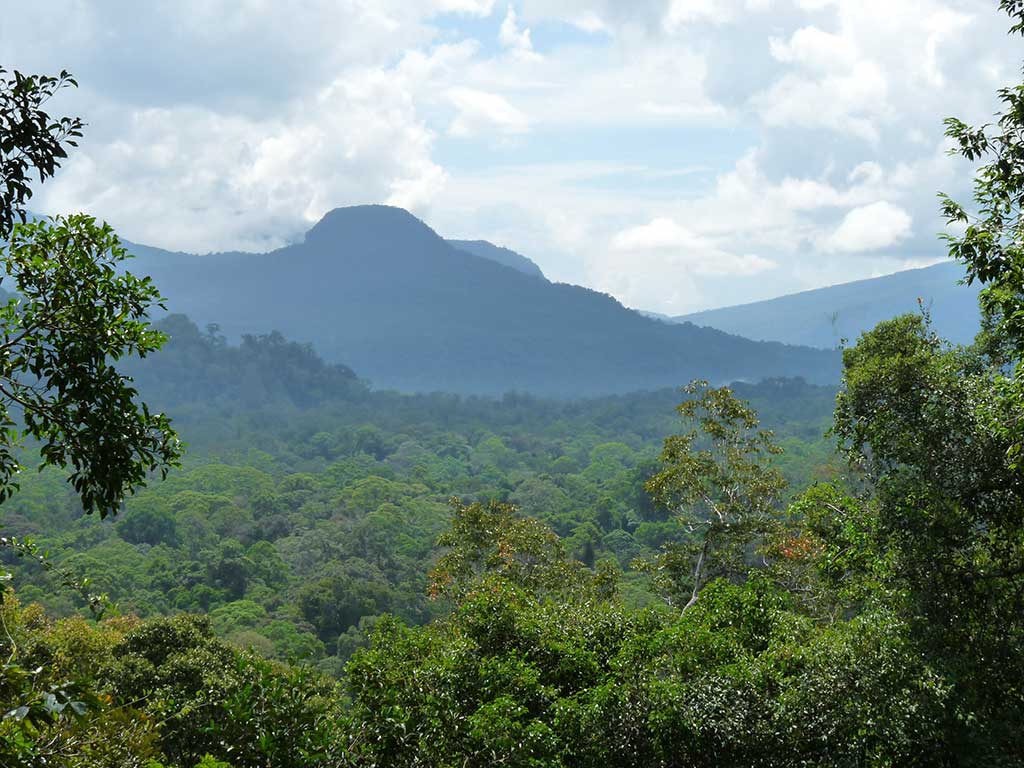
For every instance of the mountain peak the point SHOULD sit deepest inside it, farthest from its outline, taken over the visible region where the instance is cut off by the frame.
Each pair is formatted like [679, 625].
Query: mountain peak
[369, 226]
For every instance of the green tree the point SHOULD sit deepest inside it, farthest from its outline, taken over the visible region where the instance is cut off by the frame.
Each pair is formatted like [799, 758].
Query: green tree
[717, 479]
[71, 317]
[492, 541]
[991, 244]
[31, 142]
[942, 531]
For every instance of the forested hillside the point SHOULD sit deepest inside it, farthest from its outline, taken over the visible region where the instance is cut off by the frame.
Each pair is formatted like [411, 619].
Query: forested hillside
[309, 504]
[376, 289]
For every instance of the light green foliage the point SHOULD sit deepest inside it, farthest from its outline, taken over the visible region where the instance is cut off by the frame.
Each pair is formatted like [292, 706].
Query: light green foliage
[324, 541]
[209, 761]
[717, 481]
[491, 539]
[211, 698]
[53, 710]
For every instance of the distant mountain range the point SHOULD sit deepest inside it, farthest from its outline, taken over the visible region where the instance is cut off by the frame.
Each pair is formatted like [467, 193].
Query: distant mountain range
[375, 288]
[486, 250]
[822, 317]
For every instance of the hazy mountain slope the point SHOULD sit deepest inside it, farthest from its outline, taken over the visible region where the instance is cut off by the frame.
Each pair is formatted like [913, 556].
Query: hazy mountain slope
[820, 318]
[509, 258]
[375, 288]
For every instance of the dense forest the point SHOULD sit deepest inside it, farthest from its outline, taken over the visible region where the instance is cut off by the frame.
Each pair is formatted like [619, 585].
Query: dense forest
[309, 504]
[302, 569]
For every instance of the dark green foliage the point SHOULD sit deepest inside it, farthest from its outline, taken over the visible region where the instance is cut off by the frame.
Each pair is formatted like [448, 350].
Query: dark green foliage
[991, 247]
[212, 699]
[202, 367]
[738, 681]
[73, 317]
[31, 142]
[945, 525]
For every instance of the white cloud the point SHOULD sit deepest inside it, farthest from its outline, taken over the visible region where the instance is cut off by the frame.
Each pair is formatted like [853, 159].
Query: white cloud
[482, 112]
[222, 125]
[870, 228]
[851, 102]
[189, 178]
[470, 7]
[658, 264]
[813, 48]
[883, 62]
[697, 254]
[590, 22]
[682, 12]
[514, 38]
[659, 233]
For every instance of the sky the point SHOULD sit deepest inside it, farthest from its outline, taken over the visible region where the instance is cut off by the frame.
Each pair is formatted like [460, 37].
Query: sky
[677, 154]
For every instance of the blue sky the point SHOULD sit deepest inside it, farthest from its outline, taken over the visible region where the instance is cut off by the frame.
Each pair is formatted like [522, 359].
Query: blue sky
[678, 154]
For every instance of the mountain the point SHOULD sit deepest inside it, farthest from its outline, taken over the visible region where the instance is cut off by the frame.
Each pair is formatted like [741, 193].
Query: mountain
[509, 258]
[820, 318]
[375, 288]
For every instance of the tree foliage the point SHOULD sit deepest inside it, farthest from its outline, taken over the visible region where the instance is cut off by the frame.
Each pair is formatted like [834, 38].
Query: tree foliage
[716, 480]
[31, 142]
[71, 317]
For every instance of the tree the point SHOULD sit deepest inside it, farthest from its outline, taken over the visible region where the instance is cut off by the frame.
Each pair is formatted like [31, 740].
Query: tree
[72, 316]
[30, 141]
[491, 541]
[943, 526]
[991, 245]
[717, 480]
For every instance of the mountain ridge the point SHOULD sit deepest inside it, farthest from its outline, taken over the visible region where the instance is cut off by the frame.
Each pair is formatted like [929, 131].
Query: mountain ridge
[378, 290]
[822, 317]
[499, 254]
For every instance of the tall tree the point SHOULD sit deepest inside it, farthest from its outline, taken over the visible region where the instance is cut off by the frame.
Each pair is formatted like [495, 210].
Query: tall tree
[716, 477]
[991, 242]
[72, 315]
[30, 140]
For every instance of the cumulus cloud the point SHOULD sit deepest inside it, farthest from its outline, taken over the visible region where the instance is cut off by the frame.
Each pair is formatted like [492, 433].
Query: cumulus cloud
[471, 7]
[688, 250]
[870, 228]
[815, 126]
[882, 62]
[479, 111]
[190, 178]
[682, 12]
[511, 36]
[677, 256]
